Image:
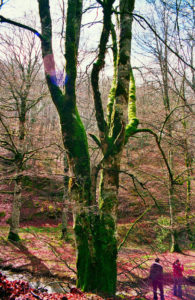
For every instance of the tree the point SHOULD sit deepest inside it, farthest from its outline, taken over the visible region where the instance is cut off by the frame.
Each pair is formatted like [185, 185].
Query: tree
[167, 74]
[188, 157]
[185, 32]
[19, 71]
[94, 225]
[94, 230]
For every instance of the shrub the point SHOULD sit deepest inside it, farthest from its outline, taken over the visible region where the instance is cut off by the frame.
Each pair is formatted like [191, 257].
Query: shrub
[2, 214]
[162, 234]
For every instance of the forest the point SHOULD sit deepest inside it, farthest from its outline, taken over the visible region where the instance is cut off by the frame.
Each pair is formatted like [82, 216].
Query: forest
[97, 147]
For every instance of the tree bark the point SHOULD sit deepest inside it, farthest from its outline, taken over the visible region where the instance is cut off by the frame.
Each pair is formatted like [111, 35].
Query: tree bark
[106, 243]
[65, 201]
[95, 228]
[74, 137]
[112, 133]
[16, 206]
[188, 164]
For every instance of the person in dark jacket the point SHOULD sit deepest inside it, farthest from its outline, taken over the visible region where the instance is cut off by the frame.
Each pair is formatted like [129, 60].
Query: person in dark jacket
[156, 275]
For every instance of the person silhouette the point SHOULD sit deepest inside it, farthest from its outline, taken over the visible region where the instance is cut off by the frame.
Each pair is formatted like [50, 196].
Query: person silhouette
[178, 278]
[156, 275]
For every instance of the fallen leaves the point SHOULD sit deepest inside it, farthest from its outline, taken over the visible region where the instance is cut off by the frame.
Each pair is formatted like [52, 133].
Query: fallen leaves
[21, 290]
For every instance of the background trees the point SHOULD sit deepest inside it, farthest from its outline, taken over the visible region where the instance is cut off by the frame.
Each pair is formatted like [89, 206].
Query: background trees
[164, 75]
[21, 91]
[95, 210]
[95, 232]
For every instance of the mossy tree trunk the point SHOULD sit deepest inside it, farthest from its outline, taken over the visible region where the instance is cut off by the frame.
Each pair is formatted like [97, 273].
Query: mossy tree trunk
[17, 200]
[73, 134]
[106, 243]
[94, 226]
[174, 246]
[114, 132]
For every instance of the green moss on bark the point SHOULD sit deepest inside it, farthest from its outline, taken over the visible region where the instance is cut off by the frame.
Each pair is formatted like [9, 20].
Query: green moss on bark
[108, 199]
[174, 244]
[105, 228]
[106, 255]
[14, 237]
[86, 279]
[133, 121]
[76, 144]
[96, 253]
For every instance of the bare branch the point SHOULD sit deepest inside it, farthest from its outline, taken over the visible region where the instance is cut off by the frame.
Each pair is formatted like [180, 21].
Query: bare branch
[5, 20]
[161, 39]
[131, 227]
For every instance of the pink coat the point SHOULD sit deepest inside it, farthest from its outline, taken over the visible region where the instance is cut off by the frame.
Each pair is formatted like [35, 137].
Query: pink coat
[177, 270]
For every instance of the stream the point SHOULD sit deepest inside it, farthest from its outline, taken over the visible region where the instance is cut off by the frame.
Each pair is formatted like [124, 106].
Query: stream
[38, 282]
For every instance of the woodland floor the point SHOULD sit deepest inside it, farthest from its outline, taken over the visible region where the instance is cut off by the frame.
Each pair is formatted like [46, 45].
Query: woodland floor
[44, 255]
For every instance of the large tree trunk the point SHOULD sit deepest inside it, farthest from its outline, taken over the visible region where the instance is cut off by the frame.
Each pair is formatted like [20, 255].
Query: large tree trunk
[96, 236]
[106, 242]
[74, 137]
[85, 261]
[112, 137]
[94, 227]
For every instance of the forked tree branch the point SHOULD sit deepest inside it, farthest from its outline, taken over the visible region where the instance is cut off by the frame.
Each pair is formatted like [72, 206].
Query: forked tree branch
[97, 67]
